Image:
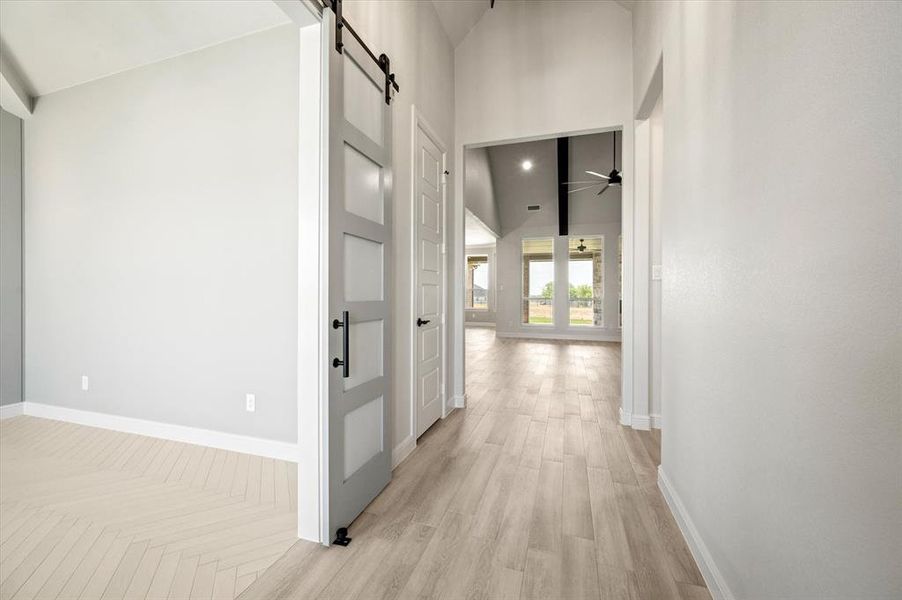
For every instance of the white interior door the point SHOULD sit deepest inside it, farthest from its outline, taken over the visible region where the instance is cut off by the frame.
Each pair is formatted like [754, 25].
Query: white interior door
[430, 277]
[359, 458]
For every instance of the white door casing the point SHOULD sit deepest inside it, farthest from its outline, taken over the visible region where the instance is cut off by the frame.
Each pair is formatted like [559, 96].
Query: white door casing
[359, 231]
[429, 277]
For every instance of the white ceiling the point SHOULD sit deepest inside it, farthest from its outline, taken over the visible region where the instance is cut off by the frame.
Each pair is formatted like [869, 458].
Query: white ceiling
[459, 16]
[56, 44]
[475, 233]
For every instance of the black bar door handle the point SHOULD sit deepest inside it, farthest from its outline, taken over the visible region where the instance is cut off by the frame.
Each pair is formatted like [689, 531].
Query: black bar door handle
[421, 322]
[344, 362]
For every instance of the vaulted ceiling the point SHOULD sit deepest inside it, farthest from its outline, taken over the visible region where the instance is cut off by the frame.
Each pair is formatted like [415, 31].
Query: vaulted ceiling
[56, 44]
[516, 188]
[459, 16]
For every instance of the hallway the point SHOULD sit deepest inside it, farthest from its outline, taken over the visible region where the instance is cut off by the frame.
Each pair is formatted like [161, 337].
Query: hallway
[533, 491]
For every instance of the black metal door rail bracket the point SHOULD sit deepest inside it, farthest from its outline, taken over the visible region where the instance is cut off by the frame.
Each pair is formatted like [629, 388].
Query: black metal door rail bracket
[382, 61]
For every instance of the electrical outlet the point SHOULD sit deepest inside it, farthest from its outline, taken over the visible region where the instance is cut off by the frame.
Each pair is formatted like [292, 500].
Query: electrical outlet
[250, 401]
[84, 383]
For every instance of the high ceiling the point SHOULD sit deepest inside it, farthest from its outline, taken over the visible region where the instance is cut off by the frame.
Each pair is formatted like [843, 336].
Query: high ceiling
[459, 16]
[56, 44]
[516, 188]
[475, 233]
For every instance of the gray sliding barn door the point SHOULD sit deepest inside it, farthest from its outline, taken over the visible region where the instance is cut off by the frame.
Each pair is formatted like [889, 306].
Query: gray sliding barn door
[360, 254]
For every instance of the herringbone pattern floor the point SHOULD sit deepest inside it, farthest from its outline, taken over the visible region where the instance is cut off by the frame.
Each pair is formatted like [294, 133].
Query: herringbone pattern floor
[90, 513]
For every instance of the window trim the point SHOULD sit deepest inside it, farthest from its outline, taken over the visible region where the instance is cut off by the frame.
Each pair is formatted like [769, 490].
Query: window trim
[489, 291]
[524, 294]
[591, 326]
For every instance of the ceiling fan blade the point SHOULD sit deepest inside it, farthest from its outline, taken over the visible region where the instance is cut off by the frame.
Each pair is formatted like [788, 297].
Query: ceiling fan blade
[603, 190]
[597, 174]
[581, 182]
[585, 188]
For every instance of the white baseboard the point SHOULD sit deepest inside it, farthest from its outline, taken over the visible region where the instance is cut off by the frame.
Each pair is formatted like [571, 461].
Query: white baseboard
[12, 410]
[403, 450]
[167, 431]
[567, 337]
[714, 579]
[642, 422]
[625, 417]
[458, 401]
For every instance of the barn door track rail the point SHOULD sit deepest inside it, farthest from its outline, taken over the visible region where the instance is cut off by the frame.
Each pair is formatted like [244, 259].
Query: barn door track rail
[382, 61]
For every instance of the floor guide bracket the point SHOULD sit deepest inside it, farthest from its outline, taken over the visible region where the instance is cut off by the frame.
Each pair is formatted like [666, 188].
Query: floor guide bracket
[341, 537]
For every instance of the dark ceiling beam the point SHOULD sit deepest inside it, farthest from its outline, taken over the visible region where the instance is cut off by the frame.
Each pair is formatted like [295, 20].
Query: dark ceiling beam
[563, 175]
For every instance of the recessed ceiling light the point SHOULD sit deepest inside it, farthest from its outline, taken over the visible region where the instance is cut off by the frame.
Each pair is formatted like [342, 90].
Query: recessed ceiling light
[527, 165]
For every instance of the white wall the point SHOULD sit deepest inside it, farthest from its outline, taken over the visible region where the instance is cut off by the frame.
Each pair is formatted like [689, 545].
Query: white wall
[782, 287]
[656, 203]
[513, 76]
[479, 192]
[10, 258]
[423, 61]
[161, 240]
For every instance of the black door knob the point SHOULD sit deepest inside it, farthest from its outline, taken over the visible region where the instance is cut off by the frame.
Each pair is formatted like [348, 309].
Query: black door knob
[421, 322]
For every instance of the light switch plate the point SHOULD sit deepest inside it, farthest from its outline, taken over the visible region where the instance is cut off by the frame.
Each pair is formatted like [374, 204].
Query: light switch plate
[250, 402]
[656, 271]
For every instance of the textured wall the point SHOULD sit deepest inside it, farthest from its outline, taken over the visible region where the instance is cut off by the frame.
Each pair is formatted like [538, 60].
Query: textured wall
[782, 288]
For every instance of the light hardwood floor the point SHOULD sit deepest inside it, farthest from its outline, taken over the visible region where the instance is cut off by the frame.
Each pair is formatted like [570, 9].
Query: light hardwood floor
[90, 513]
[533, 491]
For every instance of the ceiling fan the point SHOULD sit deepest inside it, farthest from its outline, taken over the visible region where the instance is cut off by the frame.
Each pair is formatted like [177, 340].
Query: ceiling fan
[612, 179]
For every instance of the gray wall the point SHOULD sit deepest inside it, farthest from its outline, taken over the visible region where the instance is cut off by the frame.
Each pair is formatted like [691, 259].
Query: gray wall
[589, 215]
[479, 192]
[161, 240]
[782, 340]
[10, 258]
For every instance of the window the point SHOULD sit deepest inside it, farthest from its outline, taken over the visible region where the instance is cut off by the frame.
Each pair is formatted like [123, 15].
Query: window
[538, 281]
[477, 292]
[586, 268]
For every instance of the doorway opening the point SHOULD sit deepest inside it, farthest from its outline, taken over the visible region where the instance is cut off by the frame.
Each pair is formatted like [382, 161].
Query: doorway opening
[644, 401]
[543, 276]
[543, 238]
